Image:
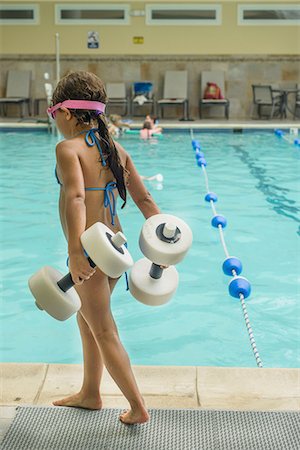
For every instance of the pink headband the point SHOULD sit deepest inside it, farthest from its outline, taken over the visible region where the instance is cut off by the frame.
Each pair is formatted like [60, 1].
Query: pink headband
[78, 104]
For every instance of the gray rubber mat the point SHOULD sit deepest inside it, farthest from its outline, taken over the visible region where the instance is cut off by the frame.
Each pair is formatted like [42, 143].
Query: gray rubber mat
[40, 428]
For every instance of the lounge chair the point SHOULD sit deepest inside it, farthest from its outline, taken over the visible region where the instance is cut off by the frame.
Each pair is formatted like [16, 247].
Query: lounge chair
[297, 104]
[175, 91]
[116, 93]
[217, 77]
[142, 94]
[265, 97]
[17, 91]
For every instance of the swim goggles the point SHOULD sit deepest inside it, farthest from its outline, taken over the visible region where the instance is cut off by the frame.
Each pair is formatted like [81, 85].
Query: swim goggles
[77, 104]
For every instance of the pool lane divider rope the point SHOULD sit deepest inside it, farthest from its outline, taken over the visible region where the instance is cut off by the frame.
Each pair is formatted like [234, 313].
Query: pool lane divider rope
[291, 139]
[239, 287]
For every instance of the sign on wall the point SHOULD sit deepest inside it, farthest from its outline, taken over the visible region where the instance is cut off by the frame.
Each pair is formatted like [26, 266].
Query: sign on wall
[93, 39]
[138, 39]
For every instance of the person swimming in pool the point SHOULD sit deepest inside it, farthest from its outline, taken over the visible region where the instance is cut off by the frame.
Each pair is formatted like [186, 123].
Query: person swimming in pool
[153, 123]
[93, 170]
[116, 125]
[149, 128]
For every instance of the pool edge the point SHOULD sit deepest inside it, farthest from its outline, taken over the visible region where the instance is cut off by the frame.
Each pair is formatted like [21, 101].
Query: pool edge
[162, 386]
[169, 125]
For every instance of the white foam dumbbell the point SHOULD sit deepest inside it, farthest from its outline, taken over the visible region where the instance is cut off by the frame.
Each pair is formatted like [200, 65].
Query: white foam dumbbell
[56, 295]
[164, 240]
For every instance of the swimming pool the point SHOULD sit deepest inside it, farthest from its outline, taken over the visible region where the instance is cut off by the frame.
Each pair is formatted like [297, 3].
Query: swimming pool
[255, 176]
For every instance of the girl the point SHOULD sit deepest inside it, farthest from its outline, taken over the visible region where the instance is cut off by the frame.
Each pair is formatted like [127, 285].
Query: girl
[92, 170]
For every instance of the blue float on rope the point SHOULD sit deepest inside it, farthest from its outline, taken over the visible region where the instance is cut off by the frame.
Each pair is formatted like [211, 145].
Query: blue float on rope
[199, 154]
[239, 285]
[219, 220]
[196, 144]
[230, 264]
[278, 133]
[211, 196]
[201, 162]
[297, 142]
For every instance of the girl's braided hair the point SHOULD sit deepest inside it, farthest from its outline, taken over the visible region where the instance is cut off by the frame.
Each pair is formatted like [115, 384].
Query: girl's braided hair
[87, 86]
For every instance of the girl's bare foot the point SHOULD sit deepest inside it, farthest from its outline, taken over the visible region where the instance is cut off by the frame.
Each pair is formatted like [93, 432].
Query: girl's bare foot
[80, 401]
[138, 416]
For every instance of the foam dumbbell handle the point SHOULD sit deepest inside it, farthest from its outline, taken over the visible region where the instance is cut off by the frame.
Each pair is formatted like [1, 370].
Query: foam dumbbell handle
[66, 282]
[155, 271]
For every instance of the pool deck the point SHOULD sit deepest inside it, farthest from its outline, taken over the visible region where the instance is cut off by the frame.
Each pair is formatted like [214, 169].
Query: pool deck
[270, 389]
[136, 123]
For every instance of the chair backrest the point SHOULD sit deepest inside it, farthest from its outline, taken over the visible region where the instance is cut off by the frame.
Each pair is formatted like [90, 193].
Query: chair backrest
[288, 85]
[18, 83]
[116, 90]
[143, 88]
[176, 84]
[212, 76]
[262, 93]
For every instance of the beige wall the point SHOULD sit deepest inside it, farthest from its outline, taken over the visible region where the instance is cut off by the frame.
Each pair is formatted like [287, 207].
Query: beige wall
[226, 39]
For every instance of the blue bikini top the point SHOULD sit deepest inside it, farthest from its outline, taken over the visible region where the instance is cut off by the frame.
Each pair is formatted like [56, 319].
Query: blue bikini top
[109, 197]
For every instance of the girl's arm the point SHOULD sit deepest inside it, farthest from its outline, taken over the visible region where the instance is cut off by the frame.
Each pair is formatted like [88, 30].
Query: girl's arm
[75, 210]
[138, 191]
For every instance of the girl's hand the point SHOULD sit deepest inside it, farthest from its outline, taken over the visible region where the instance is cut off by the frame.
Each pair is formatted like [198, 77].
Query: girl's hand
[80, 268]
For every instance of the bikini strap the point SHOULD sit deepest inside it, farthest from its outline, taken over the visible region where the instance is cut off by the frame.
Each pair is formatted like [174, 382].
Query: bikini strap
[56, 176]
[109, 198]
[91, 140]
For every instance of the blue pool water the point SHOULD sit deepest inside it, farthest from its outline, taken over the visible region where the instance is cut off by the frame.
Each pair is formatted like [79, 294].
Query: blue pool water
[256, 177]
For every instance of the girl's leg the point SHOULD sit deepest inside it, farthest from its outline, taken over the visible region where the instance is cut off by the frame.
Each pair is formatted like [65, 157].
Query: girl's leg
[89, 394]
[95, 298]
[92, 361]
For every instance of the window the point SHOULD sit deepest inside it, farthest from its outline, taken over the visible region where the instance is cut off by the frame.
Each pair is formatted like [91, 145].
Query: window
[19, 14]
[187, 14]
[91, 13]
[268, 14]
